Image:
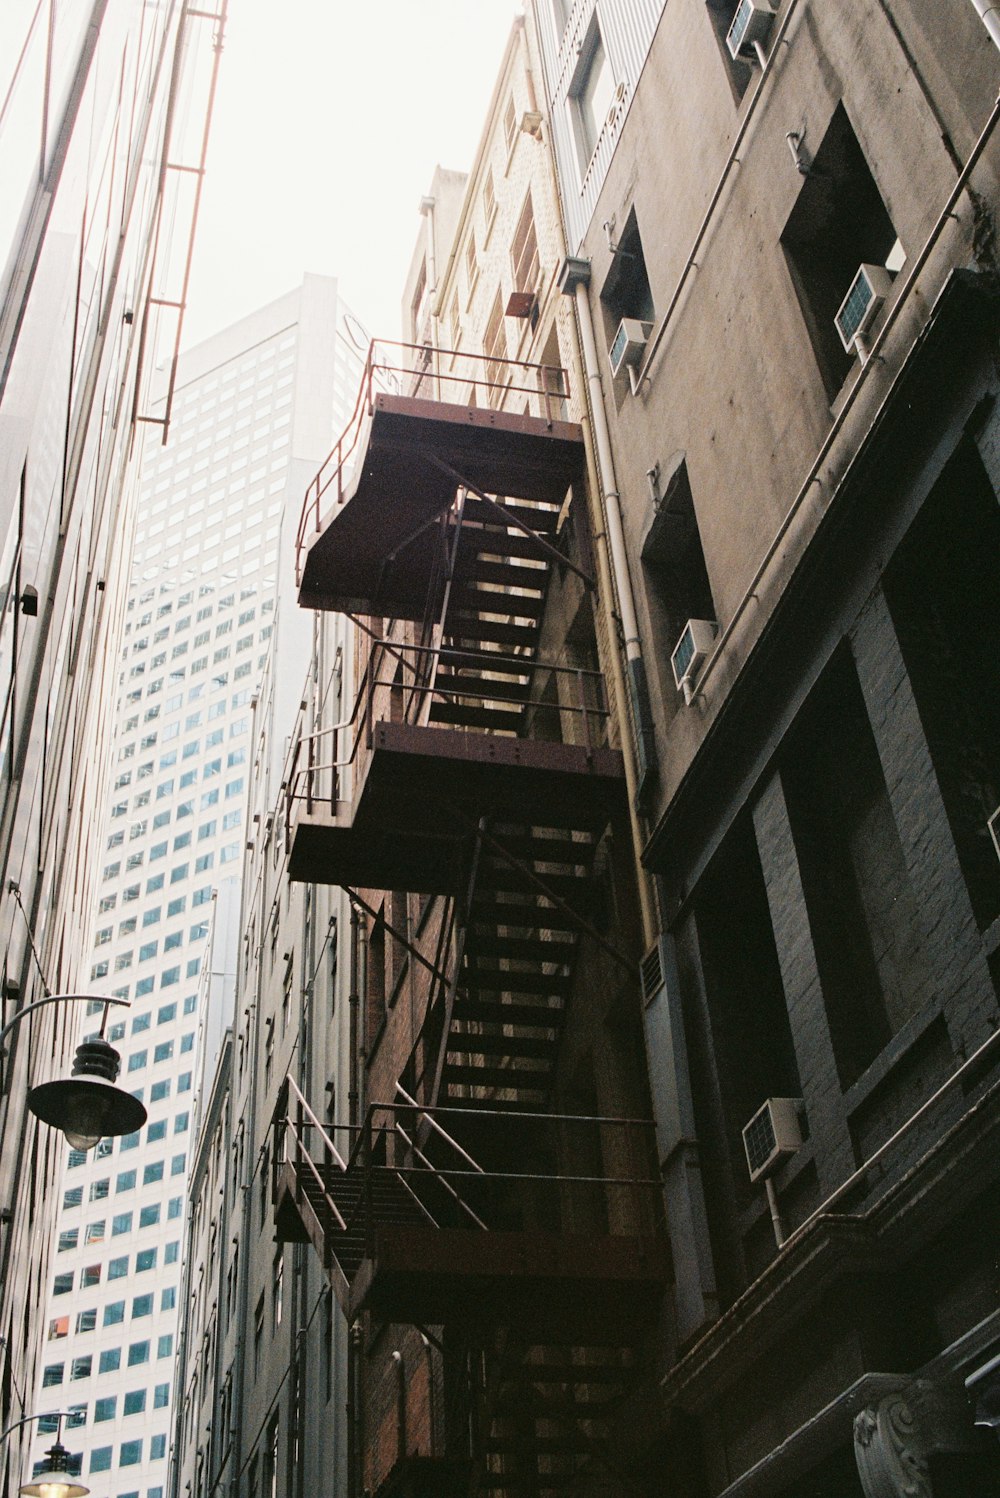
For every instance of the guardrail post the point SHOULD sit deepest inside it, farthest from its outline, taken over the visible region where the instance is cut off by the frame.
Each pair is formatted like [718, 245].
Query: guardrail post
[366, 1161]
[582, 686]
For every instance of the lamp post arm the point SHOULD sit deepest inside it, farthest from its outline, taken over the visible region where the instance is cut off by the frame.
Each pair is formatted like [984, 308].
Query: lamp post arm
[59, 1415]
[55, 998]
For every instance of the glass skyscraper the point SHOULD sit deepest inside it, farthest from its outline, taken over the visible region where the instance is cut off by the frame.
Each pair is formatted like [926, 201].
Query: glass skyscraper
[254, 412]
[96, 217]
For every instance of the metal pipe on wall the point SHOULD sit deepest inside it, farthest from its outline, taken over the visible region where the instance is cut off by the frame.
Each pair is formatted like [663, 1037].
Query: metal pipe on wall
[611, 559]
[990, 16]
[638, 687]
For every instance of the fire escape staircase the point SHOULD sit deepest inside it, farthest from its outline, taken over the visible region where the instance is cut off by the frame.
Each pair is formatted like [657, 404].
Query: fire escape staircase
[493, 788]
[451, 520]
[547, 1414]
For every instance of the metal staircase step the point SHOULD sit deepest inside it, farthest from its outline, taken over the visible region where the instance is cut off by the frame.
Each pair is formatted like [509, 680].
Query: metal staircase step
[506, 980]
[539, 1016]
[475, 716]
[541, 518]
[502, 1078]
[461, 628]
[521, 916]
[526, 1047]
[504, 601]
[494, 691]
[504, 876]
[495, 542]
[480, 566]
[519, 948]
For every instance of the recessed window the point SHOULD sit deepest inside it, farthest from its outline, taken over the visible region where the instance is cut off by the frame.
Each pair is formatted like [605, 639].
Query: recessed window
[626, 291]
[673, 566]
[495, 348]
[591, 94]
[838, 224]
[489, 199]
[524, 260]
[471, 264]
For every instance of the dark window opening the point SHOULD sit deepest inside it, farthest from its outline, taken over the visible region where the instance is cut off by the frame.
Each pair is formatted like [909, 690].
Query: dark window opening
[721, 13]
[943, 591]
[738, 1032]
[626, 291]
[376, 990]
[751, 1035]
[861, 908]
[673, 561]
[839, 223]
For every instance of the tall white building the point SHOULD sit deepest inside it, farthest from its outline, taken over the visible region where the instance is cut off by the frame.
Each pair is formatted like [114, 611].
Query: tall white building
[254, 412]
[104, 106]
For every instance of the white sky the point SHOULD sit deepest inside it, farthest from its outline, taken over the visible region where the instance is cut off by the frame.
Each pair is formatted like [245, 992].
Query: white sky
[330, 118]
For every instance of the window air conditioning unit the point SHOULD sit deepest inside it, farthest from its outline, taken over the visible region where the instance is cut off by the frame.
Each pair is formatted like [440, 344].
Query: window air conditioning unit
[749, 29]
[629, 344]
[856, 313]
[694, 645]
[994, 828]
[772, 1135]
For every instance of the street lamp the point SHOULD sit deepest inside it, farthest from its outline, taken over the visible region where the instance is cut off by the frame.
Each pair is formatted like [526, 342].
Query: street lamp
[86, 1106]
[56, 1480]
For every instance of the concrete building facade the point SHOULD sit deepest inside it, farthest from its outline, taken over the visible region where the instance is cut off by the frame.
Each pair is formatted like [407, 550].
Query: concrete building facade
[102, 105]
[791, 213]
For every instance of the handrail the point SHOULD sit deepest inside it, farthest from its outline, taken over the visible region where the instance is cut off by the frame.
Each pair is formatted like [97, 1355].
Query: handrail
[438, 1174]
[422, 1113]
[520, 1115]
[370, 1160]
[551, 383]
[300, 781]
[416, 1200]
[293, 1087]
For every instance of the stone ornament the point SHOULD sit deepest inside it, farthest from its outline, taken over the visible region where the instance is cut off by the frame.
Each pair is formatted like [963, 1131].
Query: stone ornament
[894, 1438]
[887, 1450]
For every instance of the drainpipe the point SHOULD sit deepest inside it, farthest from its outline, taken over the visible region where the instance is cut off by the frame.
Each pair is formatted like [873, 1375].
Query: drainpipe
[989, 14]
[574, 278]
[397, 1358]
[427, 208]
[354, 1005]
[355, 1427]
[429, 1354]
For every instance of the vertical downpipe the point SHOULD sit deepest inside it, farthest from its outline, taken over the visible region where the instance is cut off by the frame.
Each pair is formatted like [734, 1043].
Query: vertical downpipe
[354, 1005]
[989, 14]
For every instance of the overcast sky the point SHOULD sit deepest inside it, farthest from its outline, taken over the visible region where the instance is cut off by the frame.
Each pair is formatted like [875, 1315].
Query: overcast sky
[329, 120]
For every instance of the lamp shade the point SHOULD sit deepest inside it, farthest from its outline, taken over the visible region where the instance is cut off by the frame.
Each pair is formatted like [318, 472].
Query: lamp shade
[88, 1106]
[55, 1481]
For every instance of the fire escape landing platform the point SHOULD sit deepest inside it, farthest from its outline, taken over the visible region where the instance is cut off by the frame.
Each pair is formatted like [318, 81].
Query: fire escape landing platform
[396, 1231]
[432, 1275]
[375, 551]
[423, 794]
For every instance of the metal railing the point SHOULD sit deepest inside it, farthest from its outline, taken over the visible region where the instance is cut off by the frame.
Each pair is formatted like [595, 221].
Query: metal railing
[577, 714]
[440, 375]
[566, 1172]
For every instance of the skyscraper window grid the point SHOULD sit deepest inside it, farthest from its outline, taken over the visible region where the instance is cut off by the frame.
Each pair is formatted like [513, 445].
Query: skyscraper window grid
[206, 573]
